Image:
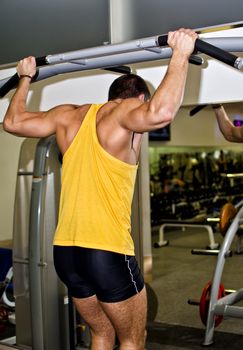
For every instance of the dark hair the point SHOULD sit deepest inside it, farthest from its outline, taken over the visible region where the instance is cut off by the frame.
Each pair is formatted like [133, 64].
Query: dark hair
[128, 85]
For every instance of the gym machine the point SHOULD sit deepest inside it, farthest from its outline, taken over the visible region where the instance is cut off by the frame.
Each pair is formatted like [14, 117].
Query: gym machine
[216, 303]
[183, 224]
[227, 212]
[114, 56]
[41, 306]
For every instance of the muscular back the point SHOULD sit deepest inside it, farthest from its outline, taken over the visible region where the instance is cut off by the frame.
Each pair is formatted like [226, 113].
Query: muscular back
[120, 142]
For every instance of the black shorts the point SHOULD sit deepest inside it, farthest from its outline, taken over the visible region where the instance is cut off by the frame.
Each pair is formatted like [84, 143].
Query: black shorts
[112, 277]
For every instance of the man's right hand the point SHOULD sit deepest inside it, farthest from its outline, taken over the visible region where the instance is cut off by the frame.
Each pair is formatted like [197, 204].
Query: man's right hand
[27, 66]
[182, 41]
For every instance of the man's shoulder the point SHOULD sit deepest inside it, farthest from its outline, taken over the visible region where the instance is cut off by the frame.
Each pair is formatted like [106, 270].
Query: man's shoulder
[131, 102]
[126, 105]
[69, 111]
[72, 107]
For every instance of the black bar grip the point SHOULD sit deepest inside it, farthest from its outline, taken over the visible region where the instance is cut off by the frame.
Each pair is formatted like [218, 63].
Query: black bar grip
[198, 61]
[217, 53]
[13, 81]
[10, 84]
[41, 61]
[196, 109]
[210, 50]
[119, 69]
[205, 251]
[162, 40]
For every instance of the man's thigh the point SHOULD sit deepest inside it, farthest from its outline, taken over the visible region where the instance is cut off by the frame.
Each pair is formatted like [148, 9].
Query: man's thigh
[129, 316]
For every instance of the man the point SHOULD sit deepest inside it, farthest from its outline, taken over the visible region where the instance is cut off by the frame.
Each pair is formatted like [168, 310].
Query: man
[230, 132]
[93, 249]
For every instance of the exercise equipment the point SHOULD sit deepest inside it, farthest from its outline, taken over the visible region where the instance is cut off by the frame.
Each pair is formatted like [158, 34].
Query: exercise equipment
[6, 274]
[41, 303]
[209, 252]
[215, 303]
[113, 55]
[194, 185]
[227, 214]
[153, 303]
[210, 50]
[5, 286]
[183, 224]
[3, 318]
[204, 303]
[197, 109]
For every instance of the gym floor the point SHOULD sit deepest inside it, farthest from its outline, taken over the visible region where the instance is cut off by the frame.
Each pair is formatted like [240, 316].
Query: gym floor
[178, 276]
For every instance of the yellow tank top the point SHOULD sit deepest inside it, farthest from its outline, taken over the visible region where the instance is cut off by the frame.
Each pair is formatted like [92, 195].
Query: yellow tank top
[96, 195]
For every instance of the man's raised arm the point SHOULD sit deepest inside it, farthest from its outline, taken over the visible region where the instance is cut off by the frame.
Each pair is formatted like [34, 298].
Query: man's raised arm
[18, 120]
[230, 132]
[161, 109]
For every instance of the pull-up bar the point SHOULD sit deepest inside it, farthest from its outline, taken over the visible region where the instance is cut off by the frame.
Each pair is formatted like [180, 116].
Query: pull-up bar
[212, 51]
[135, 51]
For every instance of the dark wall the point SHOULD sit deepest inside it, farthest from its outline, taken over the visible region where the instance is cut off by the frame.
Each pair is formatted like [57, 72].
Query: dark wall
[41, 27]
[152, 17]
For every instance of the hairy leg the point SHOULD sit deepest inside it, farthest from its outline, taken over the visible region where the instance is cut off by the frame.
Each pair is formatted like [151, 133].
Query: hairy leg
[102, 331]
[129, 320]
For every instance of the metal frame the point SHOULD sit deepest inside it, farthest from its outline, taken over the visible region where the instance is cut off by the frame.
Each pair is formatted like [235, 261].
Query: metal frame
[41, 299]
[150, 45]
[47, 296]
[162, 242]
[135, 51]
[224, 306]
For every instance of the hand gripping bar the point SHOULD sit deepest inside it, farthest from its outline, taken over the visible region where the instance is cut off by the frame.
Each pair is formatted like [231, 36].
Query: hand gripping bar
[13, 81]
[160, 41]
[210, 50]
[42, 61]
